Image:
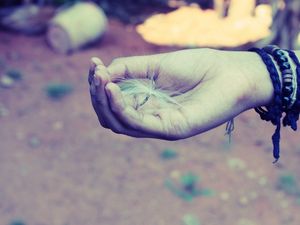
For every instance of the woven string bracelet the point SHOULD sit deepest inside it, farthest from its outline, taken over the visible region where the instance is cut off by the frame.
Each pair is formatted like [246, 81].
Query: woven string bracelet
[273, 111]
[293, 114]
[289, 84]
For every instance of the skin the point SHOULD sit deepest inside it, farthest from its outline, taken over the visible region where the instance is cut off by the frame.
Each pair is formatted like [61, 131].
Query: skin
[216, 86]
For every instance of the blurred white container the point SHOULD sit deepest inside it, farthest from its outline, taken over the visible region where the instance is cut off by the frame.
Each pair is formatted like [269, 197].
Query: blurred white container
[76, 26]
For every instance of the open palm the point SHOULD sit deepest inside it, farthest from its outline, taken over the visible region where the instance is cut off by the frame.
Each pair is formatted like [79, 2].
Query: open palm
[203, 77]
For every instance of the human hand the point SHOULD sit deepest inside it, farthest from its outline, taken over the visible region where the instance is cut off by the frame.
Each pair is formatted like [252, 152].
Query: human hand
[214, 87]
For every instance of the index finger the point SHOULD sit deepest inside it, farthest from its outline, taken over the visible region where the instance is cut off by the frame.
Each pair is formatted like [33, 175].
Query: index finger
[139, 67]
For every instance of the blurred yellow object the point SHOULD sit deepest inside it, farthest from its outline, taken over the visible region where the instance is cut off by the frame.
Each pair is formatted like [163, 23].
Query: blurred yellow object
[240, 9]
[192, 26]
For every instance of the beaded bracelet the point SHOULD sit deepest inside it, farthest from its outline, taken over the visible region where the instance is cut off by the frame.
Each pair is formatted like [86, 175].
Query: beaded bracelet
[297, 63]
[288, 77]
[292, 115]
[274, 110]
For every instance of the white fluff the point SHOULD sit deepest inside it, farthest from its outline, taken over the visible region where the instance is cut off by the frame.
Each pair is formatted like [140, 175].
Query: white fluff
[145, 89]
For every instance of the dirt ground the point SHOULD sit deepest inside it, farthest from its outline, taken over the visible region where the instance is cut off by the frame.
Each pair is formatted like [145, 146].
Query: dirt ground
[59, 167]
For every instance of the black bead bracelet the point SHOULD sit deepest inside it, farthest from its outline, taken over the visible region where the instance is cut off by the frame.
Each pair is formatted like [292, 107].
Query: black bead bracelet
[292, 115]
[286, 74]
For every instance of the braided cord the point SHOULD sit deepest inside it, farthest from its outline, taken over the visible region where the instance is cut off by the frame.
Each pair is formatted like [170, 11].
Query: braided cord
[274, 110]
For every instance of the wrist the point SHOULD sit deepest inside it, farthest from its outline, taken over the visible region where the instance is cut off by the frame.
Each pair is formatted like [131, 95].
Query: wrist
[262, 90]
[249, 67]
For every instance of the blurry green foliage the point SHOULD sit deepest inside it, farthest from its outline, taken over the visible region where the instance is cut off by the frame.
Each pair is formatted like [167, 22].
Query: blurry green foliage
[17, 222]
[188, 187]
[190, 219]
[189, 181]
[57, 91]
[168, 154]
[288, 184]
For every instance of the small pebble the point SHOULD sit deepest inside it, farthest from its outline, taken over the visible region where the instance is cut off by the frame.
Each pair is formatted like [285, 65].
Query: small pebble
[224, 196]
[175, 174]
[243, 200]
[190, 219]
[236, 164]
[6, 82]
[284, 204]
[262, 181]
[251, 174]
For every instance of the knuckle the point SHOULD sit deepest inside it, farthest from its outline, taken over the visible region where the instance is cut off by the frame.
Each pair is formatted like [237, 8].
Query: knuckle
[116, 60]
[99, 67]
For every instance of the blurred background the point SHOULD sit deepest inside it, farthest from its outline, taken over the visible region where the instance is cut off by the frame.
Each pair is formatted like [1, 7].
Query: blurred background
[59, 167]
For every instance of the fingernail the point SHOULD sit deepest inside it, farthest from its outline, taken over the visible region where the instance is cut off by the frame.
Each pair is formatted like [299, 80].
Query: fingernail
[107, 89]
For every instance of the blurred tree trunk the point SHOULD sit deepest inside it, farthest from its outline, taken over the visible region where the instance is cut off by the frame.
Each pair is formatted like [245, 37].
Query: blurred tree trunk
[286, 21]
[286, 24]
